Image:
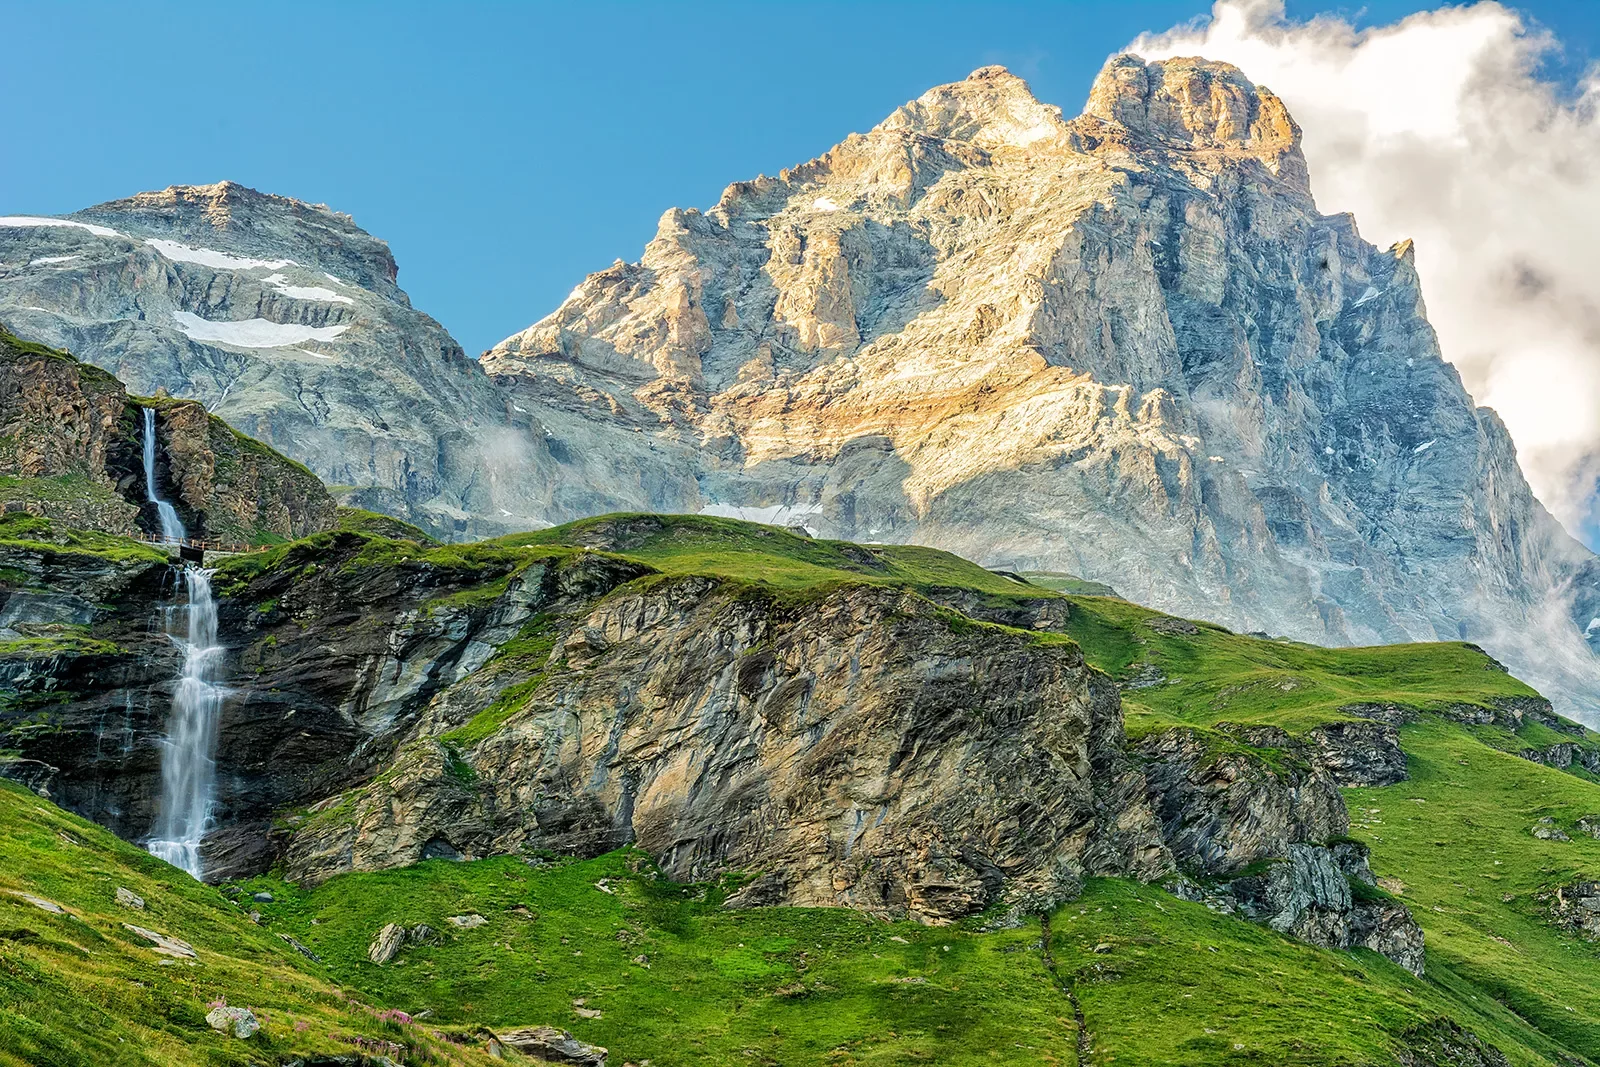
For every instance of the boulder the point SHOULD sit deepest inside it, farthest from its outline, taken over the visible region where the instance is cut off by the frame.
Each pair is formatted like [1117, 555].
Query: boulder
[129, 899]
[1575, 907]
[386, 945]
[550, 1045]
[166, 946]
[240, 1022]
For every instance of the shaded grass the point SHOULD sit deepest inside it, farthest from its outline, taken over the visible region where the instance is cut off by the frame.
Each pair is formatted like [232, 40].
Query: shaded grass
[1458, 835]
[31, 533]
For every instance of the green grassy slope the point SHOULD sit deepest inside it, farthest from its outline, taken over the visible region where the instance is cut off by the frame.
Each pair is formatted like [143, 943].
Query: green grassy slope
[1159, 981]
[1155, 980]
[1459, 836]
[80, 988]
[698, 544]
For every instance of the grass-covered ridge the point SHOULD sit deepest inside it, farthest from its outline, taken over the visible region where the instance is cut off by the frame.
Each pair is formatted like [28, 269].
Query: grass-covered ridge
[767, 555]
[678, 979]
[1202, 674]
[32, 534]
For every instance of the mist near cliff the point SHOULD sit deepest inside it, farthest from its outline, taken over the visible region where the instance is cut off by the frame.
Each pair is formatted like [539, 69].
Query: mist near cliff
[1441, 128]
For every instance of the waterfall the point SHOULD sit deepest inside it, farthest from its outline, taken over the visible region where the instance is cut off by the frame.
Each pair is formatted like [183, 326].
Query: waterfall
[171, 526]
[188, 760]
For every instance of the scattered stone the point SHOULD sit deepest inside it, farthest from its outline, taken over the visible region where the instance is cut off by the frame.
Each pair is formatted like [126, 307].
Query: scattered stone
[1576, 908]
[1171, 626]
[129, 899]
[553, 1046]
[470, 921]
[1104, 946]
[897, 937]
[642, 960]
[298, 947]
[241, 1022]
[604, 885]
[39, 902]
[587, 1013]
[261, 898]
[386, 946]
[1590, 824]
[166, 946]
[1546, 830]
[422, 934]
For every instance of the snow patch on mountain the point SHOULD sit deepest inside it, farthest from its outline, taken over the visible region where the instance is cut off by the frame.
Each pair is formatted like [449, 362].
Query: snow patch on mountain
[253, 333]
[279, 284]
[179, 252]
[30, 221]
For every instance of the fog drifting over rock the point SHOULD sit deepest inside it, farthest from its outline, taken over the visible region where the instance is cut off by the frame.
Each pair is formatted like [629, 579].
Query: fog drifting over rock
[1439, 128]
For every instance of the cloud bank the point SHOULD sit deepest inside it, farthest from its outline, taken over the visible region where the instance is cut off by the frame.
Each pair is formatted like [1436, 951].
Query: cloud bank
[1439, 128]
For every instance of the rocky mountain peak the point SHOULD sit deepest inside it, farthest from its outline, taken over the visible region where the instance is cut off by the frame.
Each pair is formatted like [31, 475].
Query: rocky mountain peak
[1199, 103]
[991, 108]
[237, 219]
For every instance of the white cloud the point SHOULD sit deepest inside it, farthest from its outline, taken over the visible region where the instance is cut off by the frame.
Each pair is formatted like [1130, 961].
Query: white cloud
[1439, 128]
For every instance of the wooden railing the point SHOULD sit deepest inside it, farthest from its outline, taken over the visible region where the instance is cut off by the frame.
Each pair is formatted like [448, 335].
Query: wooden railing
[201, 544]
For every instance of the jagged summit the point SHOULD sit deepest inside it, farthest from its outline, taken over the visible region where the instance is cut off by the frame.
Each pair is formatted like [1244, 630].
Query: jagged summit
[1124, 345]
[991, 108]
[1198, 103]
[236, 218]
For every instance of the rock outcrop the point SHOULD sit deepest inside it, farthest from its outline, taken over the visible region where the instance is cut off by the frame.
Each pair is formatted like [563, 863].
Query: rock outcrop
[285, 319]
[62, 435]
[847, 743]
[1125, 345]
[71, 450]
[550, 1045]
[854, 750]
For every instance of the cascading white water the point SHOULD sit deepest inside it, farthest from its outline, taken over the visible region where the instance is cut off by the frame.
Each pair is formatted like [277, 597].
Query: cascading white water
[171, 526]
[188, 762]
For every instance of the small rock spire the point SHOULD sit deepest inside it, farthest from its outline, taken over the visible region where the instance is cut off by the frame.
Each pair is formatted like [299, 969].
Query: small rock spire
[1199, 103]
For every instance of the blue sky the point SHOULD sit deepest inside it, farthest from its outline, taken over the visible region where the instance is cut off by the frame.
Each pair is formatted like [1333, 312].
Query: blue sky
[505, 150]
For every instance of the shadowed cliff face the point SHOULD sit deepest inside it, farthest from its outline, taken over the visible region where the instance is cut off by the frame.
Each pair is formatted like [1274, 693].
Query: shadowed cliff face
[1124, 345]
[285, 319]
[71, 443]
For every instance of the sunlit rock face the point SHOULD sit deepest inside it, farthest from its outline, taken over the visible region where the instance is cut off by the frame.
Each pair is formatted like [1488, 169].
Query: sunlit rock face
[285, 319]
[1124, 345]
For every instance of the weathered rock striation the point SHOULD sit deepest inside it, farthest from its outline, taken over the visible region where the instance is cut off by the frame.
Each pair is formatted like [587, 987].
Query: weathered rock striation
[285, 319]
[1125, 345]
